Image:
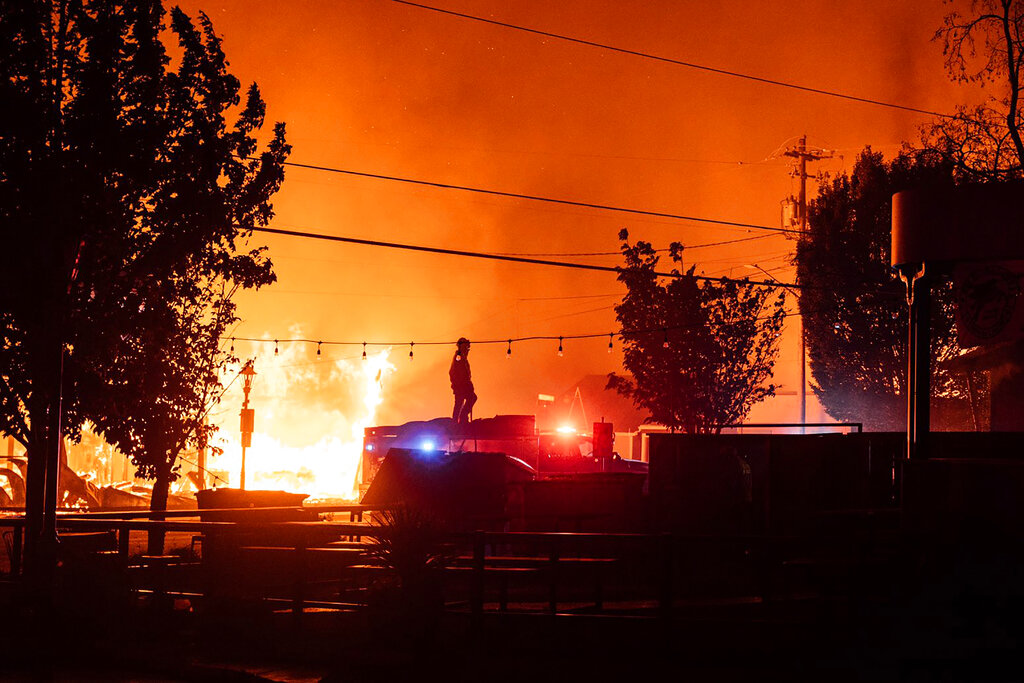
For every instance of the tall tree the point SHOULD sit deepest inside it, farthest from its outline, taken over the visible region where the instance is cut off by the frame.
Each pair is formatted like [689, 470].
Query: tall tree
[123, 191]
[854, 308]
[984, 46]
[699, 351]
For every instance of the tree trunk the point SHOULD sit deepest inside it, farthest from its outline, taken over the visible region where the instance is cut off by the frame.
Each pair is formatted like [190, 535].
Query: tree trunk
[158, 505]
[34, 493]
[38, 448]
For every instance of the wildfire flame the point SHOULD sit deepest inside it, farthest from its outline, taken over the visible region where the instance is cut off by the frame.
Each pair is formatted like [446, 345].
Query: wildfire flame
[310, 417]
[311, 411]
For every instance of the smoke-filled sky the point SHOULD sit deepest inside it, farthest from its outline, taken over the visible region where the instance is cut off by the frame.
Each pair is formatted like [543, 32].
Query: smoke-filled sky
[387, 88]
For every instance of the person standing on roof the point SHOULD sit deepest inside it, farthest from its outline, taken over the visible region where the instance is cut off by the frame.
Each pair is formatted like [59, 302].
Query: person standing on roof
[462, 383]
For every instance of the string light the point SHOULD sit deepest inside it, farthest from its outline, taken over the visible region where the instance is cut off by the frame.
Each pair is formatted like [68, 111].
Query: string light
[232, 346]
[318, 350]
[508, 341]
[410, 349]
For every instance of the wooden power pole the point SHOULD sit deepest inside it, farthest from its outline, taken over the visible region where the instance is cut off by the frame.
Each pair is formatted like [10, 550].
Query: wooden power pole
[803, 154]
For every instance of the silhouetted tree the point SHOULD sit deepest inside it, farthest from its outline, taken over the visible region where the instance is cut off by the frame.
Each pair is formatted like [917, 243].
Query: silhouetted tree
[984, 46]
[155, 397]
[699, 352]
[123, 193]
[854, 307]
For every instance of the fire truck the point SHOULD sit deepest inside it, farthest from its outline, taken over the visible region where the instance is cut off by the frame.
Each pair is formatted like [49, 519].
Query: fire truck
[557, 453]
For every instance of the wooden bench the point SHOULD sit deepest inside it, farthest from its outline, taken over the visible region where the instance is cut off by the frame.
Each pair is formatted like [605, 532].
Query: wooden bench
[302, 568]
[508, 566]
[83, 542]
[156, 568]
[503, 574]
[358, 545]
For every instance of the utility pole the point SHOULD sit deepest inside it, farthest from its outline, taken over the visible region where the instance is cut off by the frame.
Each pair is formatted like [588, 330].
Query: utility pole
[802, 154]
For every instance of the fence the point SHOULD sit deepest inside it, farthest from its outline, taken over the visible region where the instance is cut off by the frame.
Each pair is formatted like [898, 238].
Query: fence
[335, 565]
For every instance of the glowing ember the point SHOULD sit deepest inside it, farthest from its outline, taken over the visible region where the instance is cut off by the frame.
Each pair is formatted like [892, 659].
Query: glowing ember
[310, 417]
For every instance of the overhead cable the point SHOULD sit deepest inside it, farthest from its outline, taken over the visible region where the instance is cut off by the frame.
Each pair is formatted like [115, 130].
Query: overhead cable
[619, 253]
[513, 259]
[677, 62]
[535, 198]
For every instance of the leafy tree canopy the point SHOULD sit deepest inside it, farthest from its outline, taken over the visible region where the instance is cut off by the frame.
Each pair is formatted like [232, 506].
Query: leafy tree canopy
[853, 306]
[125, 192]
[699, 352]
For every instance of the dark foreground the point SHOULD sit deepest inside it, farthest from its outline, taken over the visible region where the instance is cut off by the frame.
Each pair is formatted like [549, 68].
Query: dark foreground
[961, 623]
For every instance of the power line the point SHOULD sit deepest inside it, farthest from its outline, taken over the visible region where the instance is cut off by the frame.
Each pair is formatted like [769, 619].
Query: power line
[535, 198]
[677, 62]
[364, 294]
[563, 298]
[724, 242]
[573, 314]
[586, 155]
[619, 253]
[513, 259]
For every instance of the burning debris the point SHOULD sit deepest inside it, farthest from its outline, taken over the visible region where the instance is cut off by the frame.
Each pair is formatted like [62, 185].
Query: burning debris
[310, 416]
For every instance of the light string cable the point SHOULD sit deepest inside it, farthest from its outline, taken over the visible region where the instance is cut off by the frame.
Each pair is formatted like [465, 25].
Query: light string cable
[508, 341]
[660, 330]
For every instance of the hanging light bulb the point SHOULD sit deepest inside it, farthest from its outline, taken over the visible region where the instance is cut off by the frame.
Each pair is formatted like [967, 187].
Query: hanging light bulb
[410, 349]
[318, 350]
[364, 350]
[559, 347]
[610, 335]
[232, 345]
[664, 343]
[508, 352]
[275, 347]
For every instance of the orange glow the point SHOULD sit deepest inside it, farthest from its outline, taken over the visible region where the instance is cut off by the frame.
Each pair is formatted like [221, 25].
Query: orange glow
[385, 88]
[310, 416]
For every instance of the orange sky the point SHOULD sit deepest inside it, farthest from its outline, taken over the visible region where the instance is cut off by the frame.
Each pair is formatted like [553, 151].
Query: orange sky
[376, 86]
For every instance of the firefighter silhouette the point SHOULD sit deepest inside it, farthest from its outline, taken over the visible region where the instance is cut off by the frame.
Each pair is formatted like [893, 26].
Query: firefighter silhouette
[462, 383]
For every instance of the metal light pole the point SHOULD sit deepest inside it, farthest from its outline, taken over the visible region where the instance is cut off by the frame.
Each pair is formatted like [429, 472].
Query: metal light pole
[247, 416]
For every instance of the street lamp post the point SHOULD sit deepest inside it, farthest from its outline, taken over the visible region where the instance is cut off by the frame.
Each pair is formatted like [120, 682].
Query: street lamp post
[247, 416]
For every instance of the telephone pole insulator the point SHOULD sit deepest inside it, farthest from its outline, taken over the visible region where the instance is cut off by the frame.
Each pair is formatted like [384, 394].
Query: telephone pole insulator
[803, 154]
